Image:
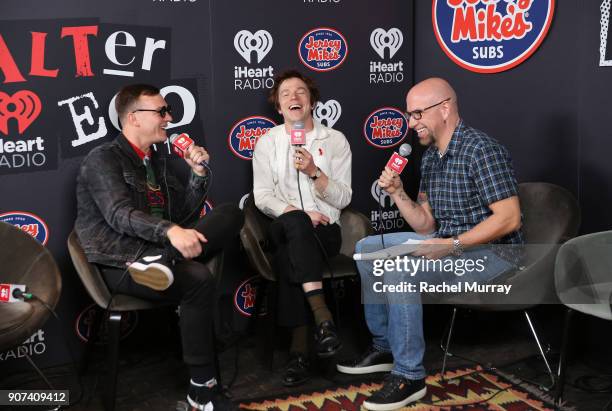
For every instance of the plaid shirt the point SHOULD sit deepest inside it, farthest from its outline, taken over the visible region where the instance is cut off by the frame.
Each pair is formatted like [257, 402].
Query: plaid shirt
[475, 172]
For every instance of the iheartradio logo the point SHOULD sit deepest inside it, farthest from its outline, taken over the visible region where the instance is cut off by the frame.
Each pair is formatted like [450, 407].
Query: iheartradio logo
[246, 42]
[330, 112]
[391, 39]
[378, 192]
[24, 106]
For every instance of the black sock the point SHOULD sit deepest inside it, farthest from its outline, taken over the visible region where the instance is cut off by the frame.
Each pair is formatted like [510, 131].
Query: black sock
[200, 374]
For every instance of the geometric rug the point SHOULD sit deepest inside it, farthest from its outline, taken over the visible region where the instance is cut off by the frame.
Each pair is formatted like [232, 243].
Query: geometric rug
[471, 389]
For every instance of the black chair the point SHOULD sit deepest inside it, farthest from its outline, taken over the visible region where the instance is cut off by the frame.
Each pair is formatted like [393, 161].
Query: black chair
[551, 216]
[23, 260]
[584, 284]
[97, 289]
[354, 226]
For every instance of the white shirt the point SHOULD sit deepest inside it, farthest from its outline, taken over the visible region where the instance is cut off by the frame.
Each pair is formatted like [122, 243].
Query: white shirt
[275, 181]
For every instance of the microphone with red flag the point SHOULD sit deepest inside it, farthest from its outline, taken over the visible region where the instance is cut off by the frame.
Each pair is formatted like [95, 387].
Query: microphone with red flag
[397, 162]
[10, 293]
[298, 134]
[180, 145]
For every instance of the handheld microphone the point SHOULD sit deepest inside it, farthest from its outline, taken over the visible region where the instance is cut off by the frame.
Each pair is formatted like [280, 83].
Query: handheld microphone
[10, 293]
[397, 162]
[180, 145]
[298, 135]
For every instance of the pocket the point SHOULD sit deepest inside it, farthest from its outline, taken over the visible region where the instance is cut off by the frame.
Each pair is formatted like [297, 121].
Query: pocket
[134, 182]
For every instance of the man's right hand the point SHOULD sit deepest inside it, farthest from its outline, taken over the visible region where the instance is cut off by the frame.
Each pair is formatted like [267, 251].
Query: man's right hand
[186, 240]
[390, 181]
[318, 218]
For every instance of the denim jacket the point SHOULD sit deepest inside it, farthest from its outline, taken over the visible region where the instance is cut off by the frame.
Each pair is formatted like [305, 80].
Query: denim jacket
[113, 219]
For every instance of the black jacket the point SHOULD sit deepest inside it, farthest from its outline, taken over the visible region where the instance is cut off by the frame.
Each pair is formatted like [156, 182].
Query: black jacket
[113, 219]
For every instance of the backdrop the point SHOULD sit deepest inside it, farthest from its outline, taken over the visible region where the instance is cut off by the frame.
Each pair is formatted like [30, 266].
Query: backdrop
[532, 74]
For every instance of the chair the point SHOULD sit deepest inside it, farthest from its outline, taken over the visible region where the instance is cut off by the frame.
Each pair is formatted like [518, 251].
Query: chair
[550, 216]
[23, 260]
[97, 289]
[354, 226]
[584, 284]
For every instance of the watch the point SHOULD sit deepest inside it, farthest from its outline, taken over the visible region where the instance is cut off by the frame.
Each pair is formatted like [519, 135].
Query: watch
[317, 174]
[457, 246]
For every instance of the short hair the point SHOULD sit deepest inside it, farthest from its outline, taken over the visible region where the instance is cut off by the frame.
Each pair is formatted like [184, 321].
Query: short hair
[128, 95]
[285, 75]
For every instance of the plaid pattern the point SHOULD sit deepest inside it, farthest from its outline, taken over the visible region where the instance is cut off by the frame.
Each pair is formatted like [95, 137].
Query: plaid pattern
[474, 172]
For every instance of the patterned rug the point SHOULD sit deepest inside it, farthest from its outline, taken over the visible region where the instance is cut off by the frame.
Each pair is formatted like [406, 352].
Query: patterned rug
[463, 389]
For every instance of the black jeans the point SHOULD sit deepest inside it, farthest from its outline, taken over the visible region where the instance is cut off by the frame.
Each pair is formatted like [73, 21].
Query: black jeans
[298, 259]
[194, 285]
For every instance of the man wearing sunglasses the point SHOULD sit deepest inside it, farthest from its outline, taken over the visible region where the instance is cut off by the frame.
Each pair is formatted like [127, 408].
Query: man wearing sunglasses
[134, 214]
[467, 210]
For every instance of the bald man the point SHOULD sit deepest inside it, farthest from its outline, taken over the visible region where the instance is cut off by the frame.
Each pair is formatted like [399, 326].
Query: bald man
[467, 210]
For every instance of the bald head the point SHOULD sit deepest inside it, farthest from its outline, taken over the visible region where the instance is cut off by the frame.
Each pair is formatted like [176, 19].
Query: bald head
[431, 91]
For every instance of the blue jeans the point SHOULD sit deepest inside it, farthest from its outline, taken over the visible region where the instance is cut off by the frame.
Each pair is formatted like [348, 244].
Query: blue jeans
[396, 319]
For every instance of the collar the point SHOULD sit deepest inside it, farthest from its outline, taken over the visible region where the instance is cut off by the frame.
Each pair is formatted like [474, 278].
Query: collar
[130, 151]
[455, 143]
[141, 154]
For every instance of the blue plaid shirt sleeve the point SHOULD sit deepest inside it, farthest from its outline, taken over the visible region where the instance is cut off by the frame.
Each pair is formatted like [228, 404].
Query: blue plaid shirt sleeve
[493, 173]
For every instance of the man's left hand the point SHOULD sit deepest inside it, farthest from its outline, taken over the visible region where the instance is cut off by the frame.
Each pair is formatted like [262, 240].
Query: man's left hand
[194, 157]
[434, 248]
[303, 161]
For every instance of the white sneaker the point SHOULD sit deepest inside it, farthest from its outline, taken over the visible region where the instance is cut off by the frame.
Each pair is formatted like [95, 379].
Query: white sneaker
[152, 272]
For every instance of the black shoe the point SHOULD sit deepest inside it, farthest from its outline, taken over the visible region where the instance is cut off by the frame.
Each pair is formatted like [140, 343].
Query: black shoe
[371, 360]
[152, 271]
[327, 340]
[395, 393]
[297, 371]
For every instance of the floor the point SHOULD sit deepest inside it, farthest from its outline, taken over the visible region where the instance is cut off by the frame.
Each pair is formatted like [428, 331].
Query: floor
[152, 376]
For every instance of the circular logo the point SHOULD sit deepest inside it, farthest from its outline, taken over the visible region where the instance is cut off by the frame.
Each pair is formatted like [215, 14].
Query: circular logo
[85, 322]
[245, 296]
[206, 208]
[386, 127]
[245, 133]
[491, 36]
[323, 49]
[28, 222]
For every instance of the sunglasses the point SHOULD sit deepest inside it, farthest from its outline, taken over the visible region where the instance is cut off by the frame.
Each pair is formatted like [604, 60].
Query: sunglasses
[162, 111]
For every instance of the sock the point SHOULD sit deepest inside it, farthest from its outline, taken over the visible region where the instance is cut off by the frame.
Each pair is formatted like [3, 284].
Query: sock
[299, 340]
[200, 374]
[316, 299]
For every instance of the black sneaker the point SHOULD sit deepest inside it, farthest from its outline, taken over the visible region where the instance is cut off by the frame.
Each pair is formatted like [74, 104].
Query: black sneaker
[297, 371]
[370, 361]
[327, 341]
[395, 393]
[153, 272]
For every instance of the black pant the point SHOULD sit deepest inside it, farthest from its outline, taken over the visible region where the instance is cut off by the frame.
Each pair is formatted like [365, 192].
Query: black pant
[298, 259]
[193, 287]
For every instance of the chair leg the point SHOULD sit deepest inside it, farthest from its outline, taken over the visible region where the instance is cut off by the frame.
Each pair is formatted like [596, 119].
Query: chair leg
[563, 359]
[91, 341]
[535, 336]
[448, 341]
[114, 327]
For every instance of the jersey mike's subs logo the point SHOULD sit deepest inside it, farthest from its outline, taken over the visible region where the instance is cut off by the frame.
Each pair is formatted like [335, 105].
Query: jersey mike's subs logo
[29, 223]
[244, 135]
[245, 296]
[385, 127]
[323, 49]
[489, 36]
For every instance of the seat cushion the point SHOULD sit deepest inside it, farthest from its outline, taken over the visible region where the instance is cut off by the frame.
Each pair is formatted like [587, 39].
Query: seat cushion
[12, 315]
[342, 266]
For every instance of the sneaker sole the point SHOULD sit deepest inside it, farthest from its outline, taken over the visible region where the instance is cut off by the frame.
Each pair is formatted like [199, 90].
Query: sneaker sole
[395, 405]
[365, 370]
[155, 276]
